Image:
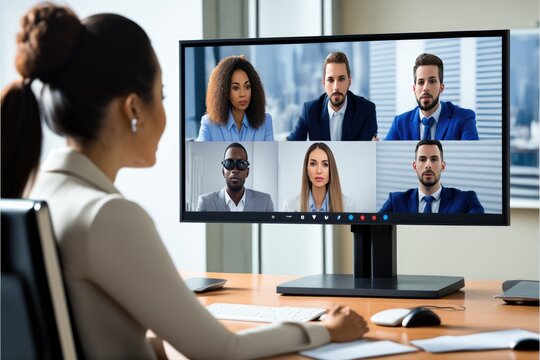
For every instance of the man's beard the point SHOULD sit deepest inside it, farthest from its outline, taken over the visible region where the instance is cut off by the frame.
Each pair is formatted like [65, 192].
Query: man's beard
[430, 106]
[430, 183]
[339, 102]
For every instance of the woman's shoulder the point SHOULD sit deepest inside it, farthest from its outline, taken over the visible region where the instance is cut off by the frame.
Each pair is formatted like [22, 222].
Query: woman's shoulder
[94, 207]
[209, 129]
[206, 120]
[116, 209]
[110, 211]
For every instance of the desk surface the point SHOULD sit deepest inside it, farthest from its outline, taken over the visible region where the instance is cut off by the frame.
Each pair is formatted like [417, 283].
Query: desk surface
[483, 312]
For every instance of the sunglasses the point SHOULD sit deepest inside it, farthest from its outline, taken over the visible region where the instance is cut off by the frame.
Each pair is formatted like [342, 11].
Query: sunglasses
[230, 164]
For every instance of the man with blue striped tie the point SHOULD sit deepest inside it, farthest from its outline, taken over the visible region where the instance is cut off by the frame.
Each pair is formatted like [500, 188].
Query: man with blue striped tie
[430, 196]
[432, 118]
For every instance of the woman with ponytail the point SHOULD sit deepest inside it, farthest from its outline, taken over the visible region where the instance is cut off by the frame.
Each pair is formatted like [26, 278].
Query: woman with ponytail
[102, 90]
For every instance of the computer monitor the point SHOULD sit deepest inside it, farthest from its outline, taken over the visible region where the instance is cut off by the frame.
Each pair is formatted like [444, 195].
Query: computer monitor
[314, 158]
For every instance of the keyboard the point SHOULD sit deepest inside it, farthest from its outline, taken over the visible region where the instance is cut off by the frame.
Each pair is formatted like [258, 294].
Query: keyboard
[258, 313]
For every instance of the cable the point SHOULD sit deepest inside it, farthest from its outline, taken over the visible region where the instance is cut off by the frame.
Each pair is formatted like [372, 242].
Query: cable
[446, 308]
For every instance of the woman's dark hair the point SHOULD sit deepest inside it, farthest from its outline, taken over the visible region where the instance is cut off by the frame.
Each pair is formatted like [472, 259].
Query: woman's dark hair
[83, 66]
[219, 88]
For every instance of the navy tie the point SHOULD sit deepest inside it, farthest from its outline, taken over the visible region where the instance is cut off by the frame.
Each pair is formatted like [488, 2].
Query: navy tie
[428, 199]
[428, 122]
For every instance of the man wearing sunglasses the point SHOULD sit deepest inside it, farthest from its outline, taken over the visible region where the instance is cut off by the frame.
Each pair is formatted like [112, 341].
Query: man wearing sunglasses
[234, 196]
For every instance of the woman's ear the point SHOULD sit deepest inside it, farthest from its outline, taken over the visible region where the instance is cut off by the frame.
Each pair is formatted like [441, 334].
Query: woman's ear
[131, 106]
[131, 111]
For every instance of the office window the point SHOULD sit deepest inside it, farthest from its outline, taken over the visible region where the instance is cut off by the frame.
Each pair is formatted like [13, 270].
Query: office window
[489, 85]
[382, 83]
[524, 118]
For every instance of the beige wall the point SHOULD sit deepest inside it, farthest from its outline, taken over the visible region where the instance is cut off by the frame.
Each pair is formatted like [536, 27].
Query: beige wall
[386, 16]
[509, 252]
[473, 252]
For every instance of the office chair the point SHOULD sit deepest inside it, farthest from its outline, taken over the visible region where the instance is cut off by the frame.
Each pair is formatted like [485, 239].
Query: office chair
[35, 321]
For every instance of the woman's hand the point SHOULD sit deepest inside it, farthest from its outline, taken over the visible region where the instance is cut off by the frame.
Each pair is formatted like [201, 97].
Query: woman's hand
[344, 324]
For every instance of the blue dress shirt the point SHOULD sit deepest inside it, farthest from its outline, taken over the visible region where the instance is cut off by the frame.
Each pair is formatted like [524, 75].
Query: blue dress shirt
[313, 208]
[211, 131]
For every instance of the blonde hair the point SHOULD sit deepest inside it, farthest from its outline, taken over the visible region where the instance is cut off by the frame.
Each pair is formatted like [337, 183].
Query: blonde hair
[335, 201]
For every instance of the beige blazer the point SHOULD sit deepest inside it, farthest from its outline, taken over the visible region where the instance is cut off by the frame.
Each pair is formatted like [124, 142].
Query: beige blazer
[121, 281]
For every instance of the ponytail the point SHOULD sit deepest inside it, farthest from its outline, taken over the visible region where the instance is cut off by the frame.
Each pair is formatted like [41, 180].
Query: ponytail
[21, 138]
[45, 41]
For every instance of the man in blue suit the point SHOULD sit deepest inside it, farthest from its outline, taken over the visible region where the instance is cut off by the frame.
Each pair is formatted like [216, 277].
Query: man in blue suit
[338, 114]
[431, 196]
[432, 119]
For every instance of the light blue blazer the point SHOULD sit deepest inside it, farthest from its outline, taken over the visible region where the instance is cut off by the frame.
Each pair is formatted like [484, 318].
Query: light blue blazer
[211, 131]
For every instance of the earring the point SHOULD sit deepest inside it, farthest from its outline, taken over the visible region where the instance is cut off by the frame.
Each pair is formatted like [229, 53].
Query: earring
[134, 125]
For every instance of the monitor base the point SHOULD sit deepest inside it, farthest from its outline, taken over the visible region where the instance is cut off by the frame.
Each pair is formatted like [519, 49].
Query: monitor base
[400, 286]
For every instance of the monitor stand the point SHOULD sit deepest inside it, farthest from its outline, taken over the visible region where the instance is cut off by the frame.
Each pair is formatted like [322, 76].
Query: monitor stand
[375, 268]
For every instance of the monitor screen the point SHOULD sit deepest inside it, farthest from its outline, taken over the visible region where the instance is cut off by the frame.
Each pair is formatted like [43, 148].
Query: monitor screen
[381, 129]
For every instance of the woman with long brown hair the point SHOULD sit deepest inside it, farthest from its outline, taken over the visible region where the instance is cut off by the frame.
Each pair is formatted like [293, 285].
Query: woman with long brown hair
[102, 90]
[235, 104]
[321, 188]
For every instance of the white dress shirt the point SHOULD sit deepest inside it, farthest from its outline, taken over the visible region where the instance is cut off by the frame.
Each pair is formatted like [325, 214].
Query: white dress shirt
[435, 203]
[232, 205]
[336, 120]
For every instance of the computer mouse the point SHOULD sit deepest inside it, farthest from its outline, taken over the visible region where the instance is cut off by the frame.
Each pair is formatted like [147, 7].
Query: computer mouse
[390, 317]
[526, 344]
[421, 316]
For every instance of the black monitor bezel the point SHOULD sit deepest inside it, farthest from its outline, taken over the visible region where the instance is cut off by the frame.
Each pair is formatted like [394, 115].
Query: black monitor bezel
[277, 217]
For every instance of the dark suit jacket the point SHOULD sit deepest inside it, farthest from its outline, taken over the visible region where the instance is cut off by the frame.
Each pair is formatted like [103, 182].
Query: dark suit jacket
[453, 201]
[215, 201]
[454, 123]
[359, 122]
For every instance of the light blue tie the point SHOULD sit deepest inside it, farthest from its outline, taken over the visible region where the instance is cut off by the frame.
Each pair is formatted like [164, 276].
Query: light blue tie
[428, 122]
[428, 199]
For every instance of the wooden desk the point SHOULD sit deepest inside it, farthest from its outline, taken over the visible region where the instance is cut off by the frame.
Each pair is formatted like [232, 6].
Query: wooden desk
[483, 312]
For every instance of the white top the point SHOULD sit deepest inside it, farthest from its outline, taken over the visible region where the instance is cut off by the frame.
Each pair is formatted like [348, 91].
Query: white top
[349, 204]
[121, 280]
